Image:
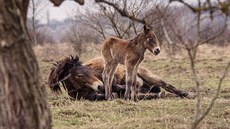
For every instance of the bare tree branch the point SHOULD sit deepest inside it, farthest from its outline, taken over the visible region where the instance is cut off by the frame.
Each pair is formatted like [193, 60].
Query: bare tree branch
[59, 2]
[207, 5]
[123, 12]
[217, 33]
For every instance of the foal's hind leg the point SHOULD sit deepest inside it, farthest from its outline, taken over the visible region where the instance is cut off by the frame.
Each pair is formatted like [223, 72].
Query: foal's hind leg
[111, 76]
[112, 72]
[108, 73]
[105, 76]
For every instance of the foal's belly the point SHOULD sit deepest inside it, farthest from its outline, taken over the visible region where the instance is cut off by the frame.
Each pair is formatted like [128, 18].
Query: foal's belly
[119, 58]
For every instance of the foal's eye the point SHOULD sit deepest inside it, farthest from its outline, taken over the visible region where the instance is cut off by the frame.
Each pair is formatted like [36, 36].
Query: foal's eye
[80, 75]
[149, 39]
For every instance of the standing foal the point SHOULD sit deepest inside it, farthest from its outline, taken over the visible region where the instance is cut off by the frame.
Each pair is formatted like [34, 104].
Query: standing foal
[130, 53]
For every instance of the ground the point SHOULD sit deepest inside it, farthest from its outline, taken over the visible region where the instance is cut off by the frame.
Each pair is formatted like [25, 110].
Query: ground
[171, 113]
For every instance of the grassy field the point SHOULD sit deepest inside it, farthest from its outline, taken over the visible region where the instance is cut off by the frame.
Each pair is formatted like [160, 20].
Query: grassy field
[171, 113]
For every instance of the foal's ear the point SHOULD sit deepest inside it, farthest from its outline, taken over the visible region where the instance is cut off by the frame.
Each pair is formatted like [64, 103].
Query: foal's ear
[146, 29]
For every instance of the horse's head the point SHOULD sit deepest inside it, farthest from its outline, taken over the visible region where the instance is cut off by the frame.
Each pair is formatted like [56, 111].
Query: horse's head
[150, 40]
[72, 69]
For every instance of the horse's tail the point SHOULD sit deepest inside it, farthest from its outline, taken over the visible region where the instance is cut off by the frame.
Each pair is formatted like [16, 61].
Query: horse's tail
[53, 81]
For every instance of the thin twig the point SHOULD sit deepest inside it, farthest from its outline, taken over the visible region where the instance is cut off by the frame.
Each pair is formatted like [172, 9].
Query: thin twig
[208, 109]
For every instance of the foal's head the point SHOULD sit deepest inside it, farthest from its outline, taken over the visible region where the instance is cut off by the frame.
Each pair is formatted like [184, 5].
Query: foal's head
[150, 40]
[72, 69]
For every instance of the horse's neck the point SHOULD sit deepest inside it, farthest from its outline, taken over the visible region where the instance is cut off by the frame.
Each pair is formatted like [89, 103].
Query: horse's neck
[74, 84]
[69, 85]
[138, 43]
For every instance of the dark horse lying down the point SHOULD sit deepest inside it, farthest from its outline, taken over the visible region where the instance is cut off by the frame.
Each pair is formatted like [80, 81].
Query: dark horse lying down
[77, 79]
[85, 81]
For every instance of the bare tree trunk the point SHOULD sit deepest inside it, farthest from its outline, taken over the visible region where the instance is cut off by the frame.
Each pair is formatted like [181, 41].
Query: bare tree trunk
[25, 4]
[23, 97]
[33, 22]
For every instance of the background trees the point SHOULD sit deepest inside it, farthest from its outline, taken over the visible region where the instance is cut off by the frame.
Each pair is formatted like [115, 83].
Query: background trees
[33, 25]
[203, 29]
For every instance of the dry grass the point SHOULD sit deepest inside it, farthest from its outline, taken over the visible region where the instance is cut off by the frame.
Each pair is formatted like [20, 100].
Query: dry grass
[172, 113]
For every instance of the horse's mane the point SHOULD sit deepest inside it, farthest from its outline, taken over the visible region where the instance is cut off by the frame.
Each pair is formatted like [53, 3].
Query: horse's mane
[58, 71]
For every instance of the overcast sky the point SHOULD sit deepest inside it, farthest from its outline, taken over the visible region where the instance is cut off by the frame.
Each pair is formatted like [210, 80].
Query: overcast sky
[67, 9]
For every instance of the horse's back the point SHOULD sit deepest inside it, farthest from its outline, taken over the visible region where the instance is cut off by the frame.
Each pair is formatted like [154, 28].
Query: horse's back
[97, 66]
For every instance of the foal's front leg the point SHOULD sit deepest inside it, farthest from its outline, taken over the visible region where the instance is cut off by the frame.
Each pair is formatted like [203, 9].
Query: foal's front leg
[129, 82]
[131, 78]
[134, 88]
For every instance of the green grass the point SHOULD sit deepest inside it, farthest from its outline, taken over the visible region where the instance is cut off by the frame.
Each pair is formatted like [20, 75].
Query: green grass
[166, 113]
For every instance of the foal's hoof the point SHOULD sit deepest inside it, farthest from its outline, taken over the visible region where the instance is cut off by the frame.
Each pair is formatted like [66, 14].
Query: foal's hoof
[109, 98]
[132, 99]
[126, 98]
[115, 95]
[135, 100]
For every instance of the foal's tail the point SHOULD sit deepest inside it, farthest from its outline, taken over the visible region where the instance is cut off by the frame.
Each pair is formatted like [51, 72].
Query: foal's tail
[154, 80]
[106, 48]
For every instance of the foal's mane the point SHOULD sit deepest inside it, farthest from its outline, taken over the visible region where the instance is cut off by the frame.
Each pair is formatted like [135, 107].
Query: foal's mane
[135, 40]
[59, 70]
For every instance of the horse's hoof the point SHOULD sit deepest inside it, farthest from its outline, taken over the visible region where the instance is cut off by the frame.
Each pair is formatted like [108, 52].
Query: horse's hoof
[191, 96]
[161, 95]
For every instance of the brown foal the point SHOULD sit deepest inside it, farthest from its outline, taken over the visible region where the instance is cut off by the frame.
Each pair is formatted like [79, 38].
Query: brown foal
[130, 53]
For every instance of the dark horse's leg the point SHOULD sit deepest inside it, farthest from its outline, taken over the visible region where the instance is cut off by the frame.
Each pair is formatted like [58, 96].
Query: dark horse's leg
[172, 89]
[147, 96]
[154, 80]
[116, 88]
[168, 87]
[145, 92]
[119, 89]
[96, 96]
[146, 88]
